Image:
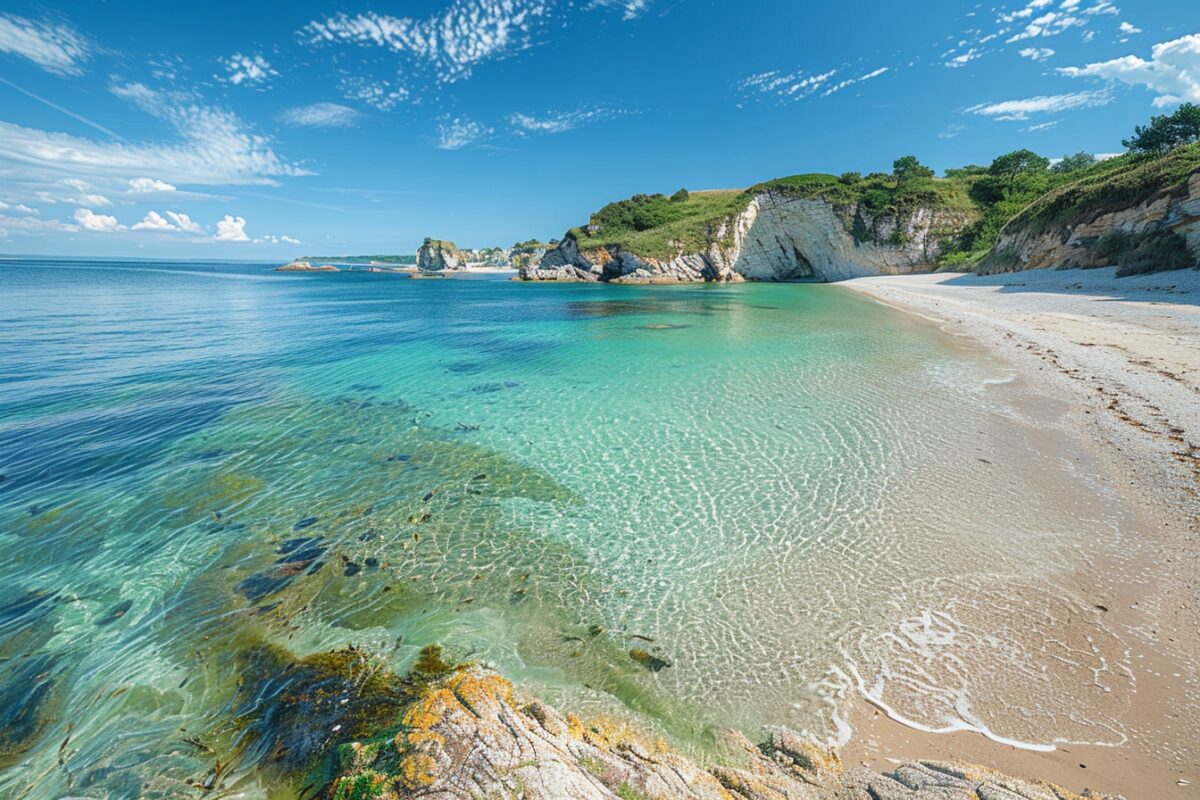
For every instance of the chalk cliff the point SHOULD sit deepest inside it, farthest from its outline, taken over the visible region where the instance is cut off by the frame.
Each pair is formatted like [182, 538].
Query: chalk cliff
[776, 237]
[436, 255]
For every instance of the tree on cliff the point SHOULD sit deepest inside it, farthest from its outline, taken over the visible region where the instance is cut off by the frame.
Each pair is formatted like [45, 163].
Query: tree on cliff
[1017, 162]
[1068, 164]
[1166, 132]
[907, 167]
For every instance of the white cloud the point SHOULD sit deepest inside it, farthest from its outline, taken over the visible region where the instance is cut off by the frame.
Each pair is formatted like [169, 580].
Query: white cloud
[55, 47]
[631, 9]
[837, 87]
[1021, 109]
[449, 44]
[1036, 53]
[211, 146]
[232, 229]
[1173, 71]
[84, 196]
[153, 222]
[250, 70]
[455, 134]
[103, 223]
[321, 115]
[963, 59]
[184, 222]
[147, 185]
[558, 122]
[1129, 29]
[273, 239]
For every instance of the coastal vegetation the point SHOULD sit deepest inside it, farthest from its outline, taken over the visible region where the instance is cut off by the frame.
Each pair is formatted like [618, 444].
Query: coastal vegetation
[1017, 190]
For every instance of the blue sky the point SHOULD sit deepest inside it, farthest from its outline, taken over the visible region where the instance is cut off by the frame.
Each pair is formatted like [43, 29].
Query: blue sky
[269, 130]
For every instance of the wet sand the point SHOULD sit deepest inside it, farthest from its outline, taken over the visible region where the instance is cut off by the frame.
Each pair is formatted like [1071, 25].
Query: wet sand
[1116, 364]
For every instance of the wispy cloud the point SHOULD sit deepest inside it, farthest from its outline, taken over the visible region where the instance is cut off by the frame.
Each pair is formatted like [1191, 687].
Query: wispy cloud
[799, 85]
[211, 146]
[1172, 71]
[558, 122]
[1025, 25]
[785, 85]
[448, 44]
[32, 226]
[1036, 53]
[630, 9]
[837, 87]
[250, 70]
[455, 134]
[321, 115]
[149, 185]
[1041, 126]
[1045, 104]
[54, 46]
[381, 94]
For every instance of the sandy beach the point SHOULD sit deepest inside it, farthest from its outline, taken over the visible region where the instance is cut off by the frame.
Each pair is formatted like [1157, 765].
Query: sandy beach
[1116, 364]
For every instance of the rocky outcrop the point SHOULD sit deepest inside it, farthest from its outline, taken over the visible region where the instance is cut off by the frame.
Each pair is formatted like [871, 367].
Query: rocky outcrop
[1162, 230]
[436, 255]
[468, 735]
[777, 237]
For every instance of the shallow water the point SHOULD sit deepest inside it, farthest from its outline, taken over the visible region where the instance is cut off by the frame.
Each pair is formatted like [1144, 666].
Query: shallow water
[780, 493]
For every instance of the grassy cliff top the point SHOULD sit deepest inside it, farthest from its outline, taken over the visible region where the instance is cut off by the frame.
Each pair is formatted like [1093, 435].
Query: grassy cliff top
[440, 244]
[1110, 185]
[648, 224]
[658, 226]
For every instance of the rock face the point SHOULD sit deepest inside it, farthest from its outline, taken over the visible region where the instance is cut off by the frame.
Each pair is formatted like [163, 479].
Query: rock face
[1082, 243]
[436, 255]
[775, 238]
[469, 736]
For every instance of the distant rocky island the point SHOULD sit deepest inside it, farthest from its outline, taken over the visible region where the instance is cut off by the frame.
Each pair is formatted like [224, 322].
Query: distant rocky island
[434, 257]
[439, 255]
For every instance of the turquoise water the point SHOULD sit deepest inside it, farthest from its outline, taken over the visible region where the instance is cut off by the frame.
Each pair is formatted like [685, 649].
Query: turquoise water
[783, 493]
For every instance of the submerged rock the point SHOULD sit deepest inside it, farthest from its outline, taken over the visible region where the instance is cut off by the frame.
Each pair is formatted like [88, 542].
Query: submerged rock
[648, 660]
[299, 556]
[27, 693]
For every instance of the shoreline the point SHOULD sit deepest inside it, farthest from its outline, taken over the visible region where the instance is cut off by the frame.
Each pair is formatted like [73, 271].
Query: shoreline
[1122, 358]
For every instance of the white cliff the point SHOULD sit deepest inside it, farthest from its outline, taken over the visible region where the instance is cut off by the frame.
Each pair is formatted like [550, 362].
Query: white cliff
[775, 238]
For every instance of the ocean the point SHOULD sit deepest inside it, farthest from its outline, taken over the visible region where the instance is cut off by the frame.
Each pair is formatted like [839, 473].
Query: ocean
[693, 506]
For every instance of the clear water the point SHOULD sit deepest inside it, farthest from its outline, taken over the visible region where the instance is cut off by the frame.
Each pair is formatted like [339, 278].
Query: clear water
[786, 493]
